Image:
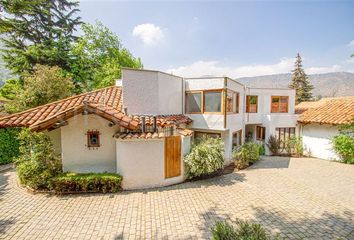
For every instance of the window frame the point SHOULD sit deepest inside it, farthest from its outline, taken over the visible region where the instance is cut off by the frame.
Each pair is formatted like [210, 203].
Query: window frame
[248, 97]
[279, 101]
[239, 137]
[235, 101]
[287, 133]
[201, 101]
[221, 101]
[262, 131]
[202, 107]
[89, 134]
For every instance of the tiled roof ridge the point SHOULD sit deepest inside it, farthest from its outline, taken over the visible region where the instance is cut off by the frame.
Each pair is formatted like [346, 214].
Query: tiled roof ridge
[58, 101]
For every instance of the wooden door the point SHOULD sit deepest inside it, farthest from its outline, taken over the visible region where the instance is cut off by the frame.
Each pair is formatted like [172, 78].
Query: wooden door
[172, 156]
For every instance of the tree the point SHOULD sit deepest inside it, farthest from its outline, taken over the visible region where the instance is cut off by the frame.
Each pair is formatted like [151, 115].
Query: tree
[300, 82]
[98, 58]
[37, 32]
[46, 84]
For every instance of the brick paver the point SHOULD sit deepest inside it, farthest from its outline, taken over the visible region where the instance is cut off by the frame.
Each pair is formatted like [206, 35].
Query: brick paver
[299, 198]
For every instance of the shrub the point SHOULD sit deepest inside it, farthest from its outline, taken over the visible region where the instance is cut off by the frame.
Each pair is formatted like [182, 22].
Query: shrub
[246, 154]
[86, 182]
[244, 230]
[274, 145]
[261, 150]
[9, 145]
[37, 162]
[343, 145]
[206, 157]
[294, 146]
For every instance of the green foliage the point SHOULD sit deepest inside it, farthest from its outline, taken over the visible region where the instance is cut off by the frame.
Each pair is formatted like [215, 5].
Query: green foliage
[244, 230]
[246, 154]
[343, 143]
[10, 89]
[294, 146]
[98, 58]
[46, 84]
[206, 157]
[37, 163]
[86, 182]
[300, 82]
[273, 145]
[37, 32]
[9, 144]
[261, 150]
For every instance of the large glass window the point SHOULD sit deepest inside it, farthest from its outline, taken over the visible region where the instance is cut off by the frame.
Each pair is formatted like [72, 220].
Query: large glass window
[212, 101]
[279, 104]
[194, 102]
[251, 104]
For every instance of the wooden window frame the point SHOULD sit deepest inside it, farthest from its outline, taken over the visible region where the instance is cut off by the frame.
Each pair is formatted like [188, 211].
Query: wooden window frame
[287, 132]
[262, 131]
[89, 134]
[278, 110]
[235, 102]
[201, 102]
[239, 137]
[248, 103]
[222, 91]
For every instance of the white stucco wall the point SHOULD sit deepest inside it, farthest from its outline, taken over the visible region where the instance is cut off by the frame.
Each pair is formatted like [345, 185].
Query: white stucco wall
[142, 163]
[152, 92]
[76, 156]
[204, 83]
[317, 140]
[55, 137]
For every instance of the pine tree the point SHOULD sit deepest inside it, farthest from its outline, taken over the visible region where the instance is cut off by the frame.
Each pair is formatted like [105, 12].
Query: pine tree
[300, 82]
[37, 32]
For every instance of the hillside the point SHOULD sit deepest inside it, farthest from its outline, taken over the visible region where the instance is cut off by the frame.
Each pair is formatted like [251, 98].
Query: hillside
[326, 85]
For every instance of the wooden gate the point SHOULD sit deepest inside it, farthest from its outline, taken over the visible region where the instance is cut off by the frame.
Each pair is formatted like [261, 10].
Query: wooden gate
[172, 156]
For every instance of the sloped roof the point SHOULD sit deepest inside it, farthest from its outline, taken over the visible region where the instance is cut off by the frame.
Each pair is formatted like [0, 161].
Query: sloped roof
[106, 102]
[327, 111]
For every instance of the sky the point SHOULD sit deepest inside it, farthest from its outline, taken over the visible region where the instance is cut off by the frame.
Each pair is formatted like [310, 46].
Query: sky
[231, 38]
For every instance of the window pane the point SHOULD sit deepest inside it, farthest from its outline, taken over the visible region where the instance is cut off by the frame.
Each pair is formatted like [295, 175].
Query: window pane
[275, 99]
[230, 101]
[193, 102]
[212, 101]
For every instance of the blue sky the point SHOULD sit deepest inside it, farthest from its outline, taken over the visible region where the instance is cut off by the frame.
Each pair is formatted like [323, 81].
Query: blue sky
[231, 38]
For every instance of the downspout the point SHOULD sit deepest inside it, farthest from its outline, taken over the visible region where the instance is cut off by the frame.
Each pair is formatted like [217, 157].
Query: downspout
[225, 99]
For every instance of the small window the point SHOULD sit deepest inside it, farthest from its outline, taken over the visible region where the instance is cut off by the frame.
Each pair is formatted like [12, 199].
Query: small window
[279, 104]
[212, 101]
[252, 102]
[93, 139]
[232, 102]
[260, 133]
[194, 102]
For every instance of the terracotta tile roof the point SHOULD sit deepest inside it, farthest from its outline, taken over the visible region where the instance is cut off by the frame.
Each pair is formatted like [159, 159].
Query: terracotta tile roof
[131, 136]
[106, 102]
[328, 111]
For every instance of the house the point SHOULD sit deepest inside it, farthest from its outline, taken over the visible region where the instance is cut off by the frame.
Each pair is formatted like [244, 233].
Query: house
[319, 122]
[142, 127]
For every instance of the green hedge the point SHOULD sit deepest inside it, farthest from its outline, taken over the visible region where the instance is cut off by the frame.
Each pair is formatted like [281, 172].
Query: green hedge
[86, 182]
[9, 145]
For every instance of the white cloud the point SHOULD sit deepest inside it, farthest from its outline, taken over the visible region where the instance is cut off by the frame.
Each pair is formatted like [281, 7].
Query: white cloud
[215, 68]
[149, 33]
[351, 44]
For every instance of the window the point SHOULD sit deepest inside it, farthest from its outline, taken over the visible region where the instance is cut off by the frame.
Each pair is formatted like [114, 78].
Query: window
[260, 133]
[232, 102]
[283, 134]
[251, 104]
[194, 102]
[279, 104]
[93, 139]
[212, 101]
[237, 138]
[204, 134]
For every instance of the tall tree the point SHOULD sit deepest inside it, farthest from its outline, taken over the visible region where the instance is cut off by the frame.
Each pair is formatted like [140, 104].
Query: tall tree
[37, 32]
[300, 82]
[46, 84]
[98, 57]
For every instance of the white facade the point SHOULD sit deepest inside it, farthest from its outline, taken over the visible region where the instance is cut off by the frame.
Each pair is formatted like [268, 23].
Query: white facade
[316, 140]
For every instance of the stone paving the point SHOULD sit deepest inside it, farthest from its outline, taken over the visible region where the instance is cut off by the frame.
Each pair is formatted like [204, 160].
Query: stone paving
[298, 198]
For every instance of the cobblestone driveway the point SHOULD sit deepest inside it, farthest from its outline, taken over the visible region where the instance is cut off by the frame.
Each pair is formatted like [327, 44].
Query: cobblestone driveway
[301, 198]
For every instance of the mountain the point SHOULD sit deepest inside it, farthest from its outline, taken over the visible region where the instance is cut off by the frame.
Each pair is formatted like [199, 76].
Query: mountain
[326, 84]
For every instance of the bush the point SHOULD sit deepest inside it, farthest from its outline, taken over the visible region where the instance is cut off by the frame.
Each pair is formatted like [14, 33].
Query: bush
[274, 145]
[246, 154]
[37, 162]
[86, 182]
[9, 145]
[294, 146]
[261, 150]
[206, 157]
[343, 145]
[244, 230]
